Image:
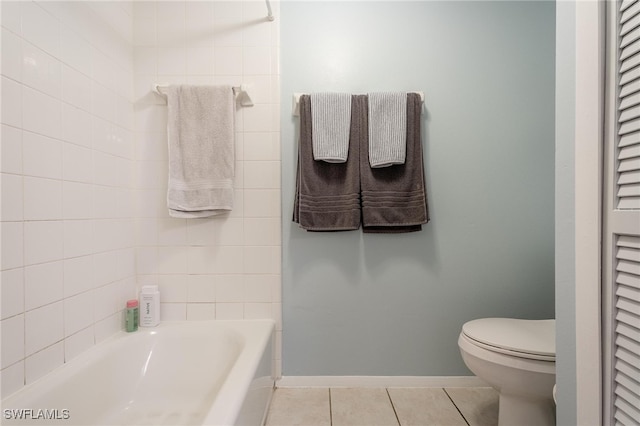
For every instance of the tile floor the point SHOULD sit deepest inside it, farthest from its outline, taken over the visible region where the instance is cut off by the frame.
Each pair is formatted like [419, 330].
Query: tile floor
[383, 407]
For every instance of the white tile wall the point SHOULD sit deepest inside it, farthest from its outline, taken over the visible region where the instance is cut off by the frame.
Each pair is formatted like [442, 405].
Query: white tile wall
[67, 76]
[226, 267]
[84, 169]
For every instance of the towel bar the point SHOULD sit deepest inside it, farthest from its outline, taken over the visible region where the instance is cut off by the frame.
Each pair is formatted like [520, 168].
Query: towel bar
[239, 91]
[296, 102]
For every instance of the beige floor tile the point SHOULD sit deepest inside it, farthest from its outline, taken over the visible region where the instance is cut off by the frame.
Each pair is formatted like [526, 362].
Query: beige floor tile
[478, 405]
[425, 407]
[299, 407]
[362, 407]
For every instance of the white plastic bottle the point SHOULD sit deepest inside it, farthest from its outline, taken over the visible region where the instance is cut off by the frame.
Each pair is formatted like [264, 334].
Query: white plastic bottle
[149, 306]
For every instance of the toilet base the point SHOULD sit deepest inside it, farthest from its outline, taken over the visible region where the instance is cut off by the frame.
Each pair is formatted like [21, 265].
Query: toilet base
[518, 411]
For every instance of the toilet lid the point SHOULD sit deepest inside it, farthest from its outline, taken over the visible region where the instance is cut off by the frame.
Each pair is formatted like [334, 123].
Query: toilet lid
[534, 337]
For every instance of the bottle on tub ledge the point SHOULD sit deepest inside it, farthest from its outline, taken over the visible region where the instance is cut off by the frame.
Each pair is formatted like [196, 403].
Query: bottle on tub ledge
[149, 306]
[131, 317]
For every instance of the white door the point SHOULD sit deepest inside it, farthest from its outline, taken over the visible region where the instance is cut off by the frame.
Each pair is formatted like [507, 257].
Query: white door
[621, 214]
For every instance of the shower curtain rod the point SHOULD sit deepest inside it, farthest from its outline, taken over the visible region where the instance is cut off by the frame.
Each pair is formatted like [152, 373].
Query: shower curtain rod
[270, 14]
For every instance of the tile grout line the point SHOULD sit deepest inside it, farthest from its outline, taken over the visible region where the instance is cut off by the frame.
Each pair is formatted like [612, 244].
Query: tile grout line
[393, 407]
[330, 410]
[454, 404]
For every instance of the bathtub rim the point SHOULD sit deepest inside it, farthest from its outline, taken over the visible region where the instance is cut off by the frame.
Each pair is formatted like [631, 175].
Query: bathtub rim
[226, 408]
[227, 405]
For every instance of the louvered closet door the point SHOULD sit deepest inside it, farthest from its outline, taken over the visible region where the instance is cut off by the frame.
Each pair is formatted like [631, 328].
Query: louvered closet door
[621, 242]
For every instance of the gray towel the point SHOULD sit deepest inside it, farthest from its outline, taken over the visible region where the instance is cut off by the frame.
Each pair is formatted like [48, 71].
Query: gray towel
[328, 194]
[387, 128]
[200, 131]
[330, 126]
[394, 198]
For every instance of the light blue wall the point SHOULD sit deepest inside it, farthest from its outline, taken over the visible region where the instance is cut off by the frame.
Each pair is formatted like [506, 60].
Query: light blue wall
[357, 304]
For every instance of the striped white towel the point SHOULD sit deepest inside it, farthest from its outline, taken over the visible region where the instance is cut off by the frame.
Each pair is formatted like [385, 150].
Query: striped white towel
[330, 126]
[387, 128]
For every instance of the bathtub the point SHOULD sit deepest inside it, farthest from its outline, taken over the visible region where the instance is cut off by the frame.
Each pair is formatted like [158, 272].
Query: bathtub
[179, 373]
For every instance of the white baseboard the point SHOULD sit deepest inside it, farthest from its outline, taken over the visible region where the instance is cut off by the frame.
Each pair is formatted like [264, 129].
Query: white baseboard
[380, 382]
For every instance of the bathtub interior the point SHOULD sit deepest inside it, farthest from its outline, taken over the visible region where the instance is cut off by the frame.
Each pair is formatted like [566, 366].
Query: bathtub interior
[167, 375]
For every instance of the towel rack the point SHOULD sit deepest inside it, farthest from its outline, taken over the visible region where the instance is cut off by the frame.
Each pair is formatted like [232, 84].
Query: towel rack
[296, 102]
[241, 93]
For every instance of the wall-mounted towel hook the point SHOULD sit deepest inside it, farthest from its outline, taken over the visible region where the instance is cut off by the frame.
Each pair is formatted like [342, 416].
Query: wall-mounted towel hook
[242, 95]
[160, 88]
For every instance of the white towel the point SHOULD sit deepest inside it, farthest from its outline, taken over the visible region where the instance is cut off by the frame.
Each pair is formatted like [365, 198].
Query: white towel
[330, 126]
[387, 128]
[201, 150]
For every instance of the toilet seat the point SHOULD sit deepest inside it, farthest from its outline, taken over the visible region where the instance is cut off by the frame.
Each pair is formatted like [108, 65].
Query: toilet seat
[530, 339]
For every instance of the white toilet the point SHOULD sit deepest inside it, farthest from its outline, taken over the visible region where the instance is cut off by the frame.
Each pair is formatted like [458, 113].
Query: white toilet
[518, 358]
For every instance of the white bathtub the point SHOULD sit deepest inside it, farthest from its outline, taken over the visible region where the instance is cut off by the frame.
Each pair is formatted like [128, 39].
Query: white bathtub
[179, 373]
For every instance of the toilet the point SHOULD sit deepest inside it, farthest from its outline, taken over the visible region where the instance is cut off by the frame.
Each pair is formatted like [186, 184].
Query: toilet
[517, 358]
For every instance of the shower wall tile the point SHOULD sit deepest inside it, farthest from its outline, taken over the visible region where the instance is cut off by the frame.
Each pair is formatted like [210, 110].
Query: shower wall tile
[76, 88]
[12, 236]
[12, 340]
[75, 200]
[262, 202]
[78, 313]
[40, 28]
[41, 71]
[67, 156]
[201, 311]
[258, 288]
[41, 113]
[43, 362]
[86, 140]
[262, 174]
[43, 327]
[79, 237]
[77, 343]
[43, 241]
[229, 311]
[12, 197]
[12, 293]
[11, 150]
[42, 199]
[173, 288]
[11, 55]
[11, 18]
[79, 275]
[227, 266]
[105, 328]
[75, 51]
[106, 268]
[43, 284]
[261, 146]
[201, 288]
[262, 260]
[11, 102]
[42, 156]
[262, 231]
[173, 311]
[76, 126]
[11, 379]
